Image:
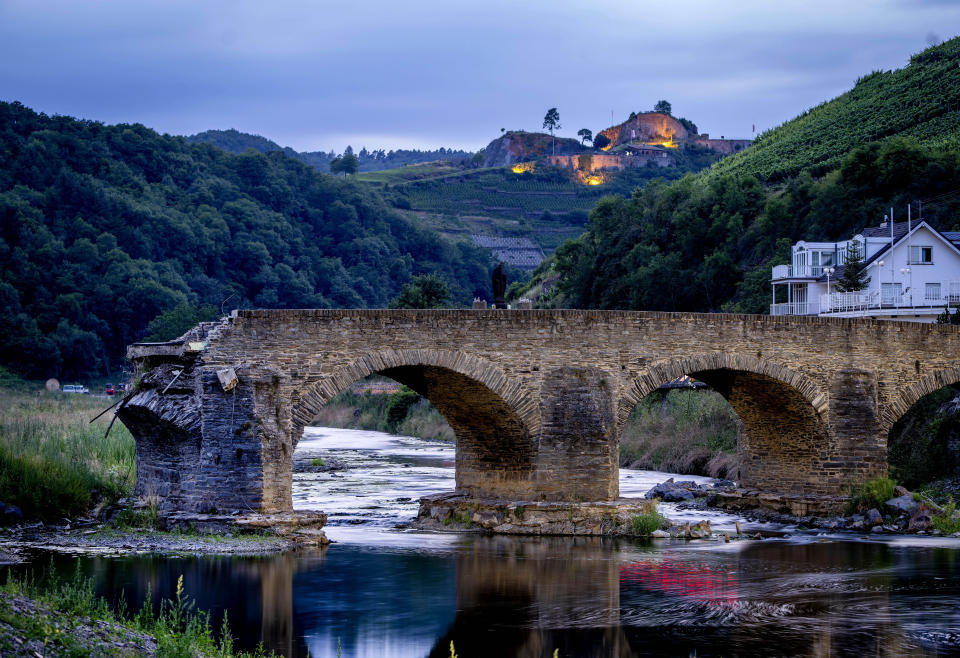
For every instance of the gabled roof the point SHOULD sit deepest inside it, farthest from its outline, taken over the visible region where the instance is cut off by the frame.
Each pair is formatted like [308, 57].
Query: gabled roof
[951, 238]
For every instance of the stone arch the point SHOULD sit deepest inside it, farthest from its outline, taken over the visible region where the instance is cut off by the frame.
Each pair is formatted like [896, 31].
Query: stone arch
[495, 419]
[911, 394]
[667, 370]
[786, 445]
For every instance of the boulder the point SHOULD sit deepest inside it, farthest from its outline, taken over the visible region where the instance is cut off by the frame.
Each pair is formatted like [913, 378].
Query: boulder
[11, 514]
[921, 520]
[724, 484]
[670, 492]
[901, 505]
[873, 518]
[900, 491]
[700, 530]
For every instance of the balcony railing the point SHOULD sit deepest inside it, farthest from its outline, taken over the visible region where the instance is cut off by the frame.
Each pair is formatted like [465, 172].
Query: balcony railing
[795, 308]
[791, 272]
[853, 302]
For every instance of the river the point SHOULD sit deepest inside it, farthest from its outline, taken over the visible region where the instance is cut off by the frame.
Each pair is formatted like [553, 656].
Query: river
[383, 591]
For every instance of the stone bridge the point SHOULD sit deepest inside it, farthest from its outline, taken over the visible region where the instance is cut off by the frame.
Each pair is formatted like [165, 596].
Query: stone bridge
[537, 398]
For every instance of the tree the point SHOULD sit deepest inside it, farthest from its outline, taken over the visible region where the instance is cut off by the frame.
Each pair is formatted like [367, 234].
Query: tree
[601, 141]
[345, 164]
[551, 121]
[585, 134]
[633, 115]
[663, 107]
[424, 291]
[854, 275]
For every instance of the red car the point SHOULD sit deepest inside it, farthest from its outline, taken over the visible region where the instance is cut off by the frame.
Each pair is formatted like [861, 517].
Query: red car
[110, 390]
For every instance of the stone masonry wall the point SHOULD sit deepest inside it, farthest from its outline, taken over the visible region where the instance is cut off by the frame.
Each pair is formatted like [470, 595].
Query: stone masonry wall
[538, 397]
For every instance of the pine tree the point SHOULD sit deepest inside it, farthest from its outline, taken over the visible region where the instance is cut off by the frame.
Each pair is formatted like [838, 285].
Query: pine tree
[854, 276]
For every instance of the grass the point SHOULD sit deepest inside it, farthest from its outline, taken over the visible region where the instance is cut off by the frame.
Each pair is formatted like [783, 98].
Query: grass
[872, 494]
[180, 630]
[682, 431]
[644, 524]
[53, 462]
[318, 461]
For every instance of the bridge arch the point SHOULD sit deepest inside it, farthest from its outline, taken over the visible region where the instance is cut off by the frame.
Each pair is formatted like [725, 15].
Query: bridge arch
[786, 444]
[494, 419]
[911, 394]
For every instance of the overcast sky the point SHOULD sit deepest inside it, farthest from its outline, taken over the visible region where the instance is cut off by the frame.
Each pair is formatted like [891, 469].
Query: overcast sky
[403, 74]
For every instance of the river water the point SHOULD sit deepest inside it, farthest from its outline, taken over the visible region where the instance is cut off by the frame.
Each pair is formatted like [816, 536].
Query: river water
[383, 591]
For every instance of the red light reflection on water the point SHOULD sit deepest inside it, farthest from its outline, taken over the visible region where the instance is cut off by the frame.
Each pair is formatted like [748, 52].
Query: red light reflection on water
[700, 581]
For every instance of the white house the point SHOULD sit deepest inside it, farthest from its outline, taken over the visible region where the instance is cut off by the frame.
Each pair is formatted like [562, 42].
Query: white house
[914, 272]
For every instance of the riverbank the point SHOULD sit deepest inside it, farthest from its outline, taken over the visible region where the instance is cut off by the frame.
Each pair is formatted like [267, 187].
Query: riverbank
[48, 617]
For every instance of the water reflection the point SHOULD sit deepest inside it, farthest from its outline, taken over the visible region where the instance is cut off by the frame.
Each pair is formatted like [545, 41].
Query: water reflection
[506, 596]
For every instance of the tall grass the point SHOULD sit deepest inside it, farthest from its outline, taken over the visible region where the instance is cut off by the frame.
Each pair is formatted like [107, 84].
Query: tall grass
[53, 462]
[682, 431]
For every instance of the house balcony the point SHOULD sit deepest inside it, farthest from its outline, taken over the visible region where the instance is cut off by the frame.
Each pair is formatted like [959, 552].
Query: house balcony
[876, 304]
[795, 308]
[783, 272]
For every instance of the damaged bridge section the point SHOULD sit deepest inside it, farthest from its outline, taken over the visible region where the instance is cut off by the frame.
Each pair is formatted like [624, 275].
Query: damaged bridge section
[196, 445]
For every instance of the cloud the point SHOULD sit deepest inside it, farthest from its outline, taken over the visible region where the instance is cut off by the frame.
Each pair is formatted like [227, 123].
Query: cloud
[313, 74]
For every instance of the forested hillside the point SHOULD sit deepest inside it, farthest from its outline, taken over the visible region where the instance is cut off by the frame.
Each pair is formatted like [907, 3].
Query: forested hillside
[368, 160]
[707, 242]
[104, 229]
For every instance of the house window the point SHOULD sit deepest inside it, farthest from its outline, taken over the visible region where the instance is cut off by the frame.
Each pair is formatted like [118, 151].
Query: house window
[932, 292]
[921, 255]
[890, 293]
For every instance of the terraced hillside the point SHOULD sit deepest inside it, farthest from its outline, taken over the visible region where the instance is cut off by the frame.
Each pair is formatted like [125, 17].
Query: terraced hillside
[920, 101]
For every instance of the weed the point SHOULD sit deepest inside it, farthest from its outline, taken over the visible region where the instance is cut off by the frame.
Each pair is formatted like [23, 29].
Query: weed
[945, 521]
[318, 461]
[643, 524]
[872, 493]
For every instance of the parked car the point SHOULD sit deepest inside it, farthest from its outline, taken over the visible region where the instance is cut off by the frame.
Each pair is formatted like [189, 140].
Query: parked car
[75, 388]
[110, 390]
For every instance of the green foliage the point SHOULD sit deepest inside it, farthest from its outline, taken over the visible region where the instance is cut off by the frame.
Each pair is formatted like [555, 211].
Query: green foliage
[948, 316]
[106, 228]
[682, 431]
[643, 524]
[585, 135]
[663, 107]
[53, 462]
[873, 493]
[713, 239]
[178, 320]
[919, 444]
[398, 406]
[317, 461]
[345, 164]
[551, 120]
[920, 101]
[854, 277]
[946, 520]
[601, 141]
[424, 291]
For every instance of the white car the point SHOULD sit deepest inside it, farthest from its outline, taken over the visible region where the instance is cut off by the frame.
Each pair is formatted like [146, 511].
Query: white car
[75, 388]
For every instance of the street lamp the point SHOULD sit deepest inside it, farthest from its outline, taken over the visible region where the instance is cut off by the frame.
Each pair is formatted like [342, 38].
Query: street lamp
[904, 271]
[829, 271]
[879, 283]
